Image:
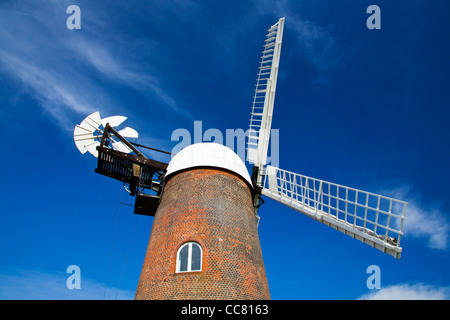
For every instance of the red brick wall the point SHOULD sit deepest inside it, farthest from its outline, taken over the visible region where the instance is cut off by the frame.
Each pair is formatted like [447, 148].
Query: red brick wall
[213, 208]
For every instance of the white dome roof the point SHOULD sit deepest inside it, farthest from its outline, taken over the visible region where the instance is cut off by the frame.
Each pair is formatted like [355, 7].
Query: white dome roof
[208, 155]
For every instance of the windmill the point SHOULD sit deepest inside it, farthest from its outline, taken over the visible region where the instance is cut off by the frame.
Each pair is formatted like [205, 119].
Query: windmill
[204, 242]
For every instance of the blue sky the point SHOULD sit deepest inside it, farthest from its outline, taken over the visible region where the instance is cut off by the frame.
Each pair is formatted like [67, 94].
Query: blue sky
[359, 107]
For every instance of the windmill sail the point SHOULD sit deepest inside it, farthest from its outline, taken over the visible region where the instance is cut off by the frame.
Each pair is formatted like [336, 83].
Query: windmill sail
[371, 218]
[263, 100]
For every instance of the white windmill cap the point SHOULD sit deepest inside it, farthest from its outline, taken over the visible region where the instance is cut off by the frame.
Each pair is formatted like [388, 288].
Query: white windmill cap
[208, 154]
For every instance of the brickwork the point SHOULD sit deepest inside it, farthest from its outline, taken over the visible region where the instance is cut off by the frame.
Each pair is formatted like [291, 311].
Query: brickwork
[213, 208]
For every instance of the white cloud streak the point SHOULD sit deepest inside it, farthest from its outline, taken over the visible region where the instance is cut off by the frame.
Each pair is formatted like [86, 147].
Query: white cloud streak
[428, 223]
[102, 60]
[55, 94]
[423, 221]
[34, 285]
[408, 292]
[61, 68]
[316, 42]
[35, 54]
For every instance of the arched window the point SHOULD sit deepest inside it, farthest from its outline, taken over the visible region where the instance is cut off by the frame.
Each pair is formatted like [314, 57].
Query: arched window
[189, 257]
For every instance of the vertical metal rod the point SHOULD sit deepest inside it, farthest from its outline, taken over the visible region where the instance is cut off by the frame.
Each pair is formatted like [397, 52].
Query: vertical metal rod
[346, 204]
[365, 211]
[389, 218]
[377, 214]
[401, 224]
[356, 209]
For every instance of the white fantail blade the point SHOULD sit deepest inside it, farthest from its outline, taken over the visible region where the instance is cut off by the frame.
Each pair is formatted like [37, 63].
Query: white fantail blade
[113, 121]
[88, 134]
[92, 148]
[263, 100]
[92, 122]
[83, 133]
[371, 218]
[128, 132]
[122, 147]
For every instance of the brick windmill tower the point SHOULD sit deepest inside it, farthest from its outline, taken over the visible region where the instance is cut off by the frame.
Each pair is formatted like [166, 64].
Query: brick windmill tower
[204, 242]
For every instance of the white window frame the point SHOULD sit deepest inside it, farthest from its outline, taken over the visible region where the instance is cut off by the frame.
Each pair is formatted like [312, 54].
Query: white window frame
[189, 262]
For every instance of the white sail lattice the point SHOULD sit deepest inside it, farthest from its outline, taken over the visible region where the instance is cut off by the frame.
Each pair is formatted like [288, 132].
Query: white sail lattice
[371, 218]
[263, 100]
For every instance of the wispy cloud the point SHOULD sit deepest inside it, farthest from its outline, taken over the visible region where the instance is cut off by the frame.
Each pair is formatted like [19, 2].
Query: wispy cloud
[428, 223]
[34, 53]
[54, 93]
[101, 58]
[64, 71]
[315, 41]
[423, 221]
[34, 285]
[408, 292]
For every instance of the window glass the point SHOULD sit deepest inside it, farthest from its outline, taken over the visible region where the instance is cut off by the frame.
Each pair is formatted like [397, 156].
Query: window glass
[196, 257]
[183, 258]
